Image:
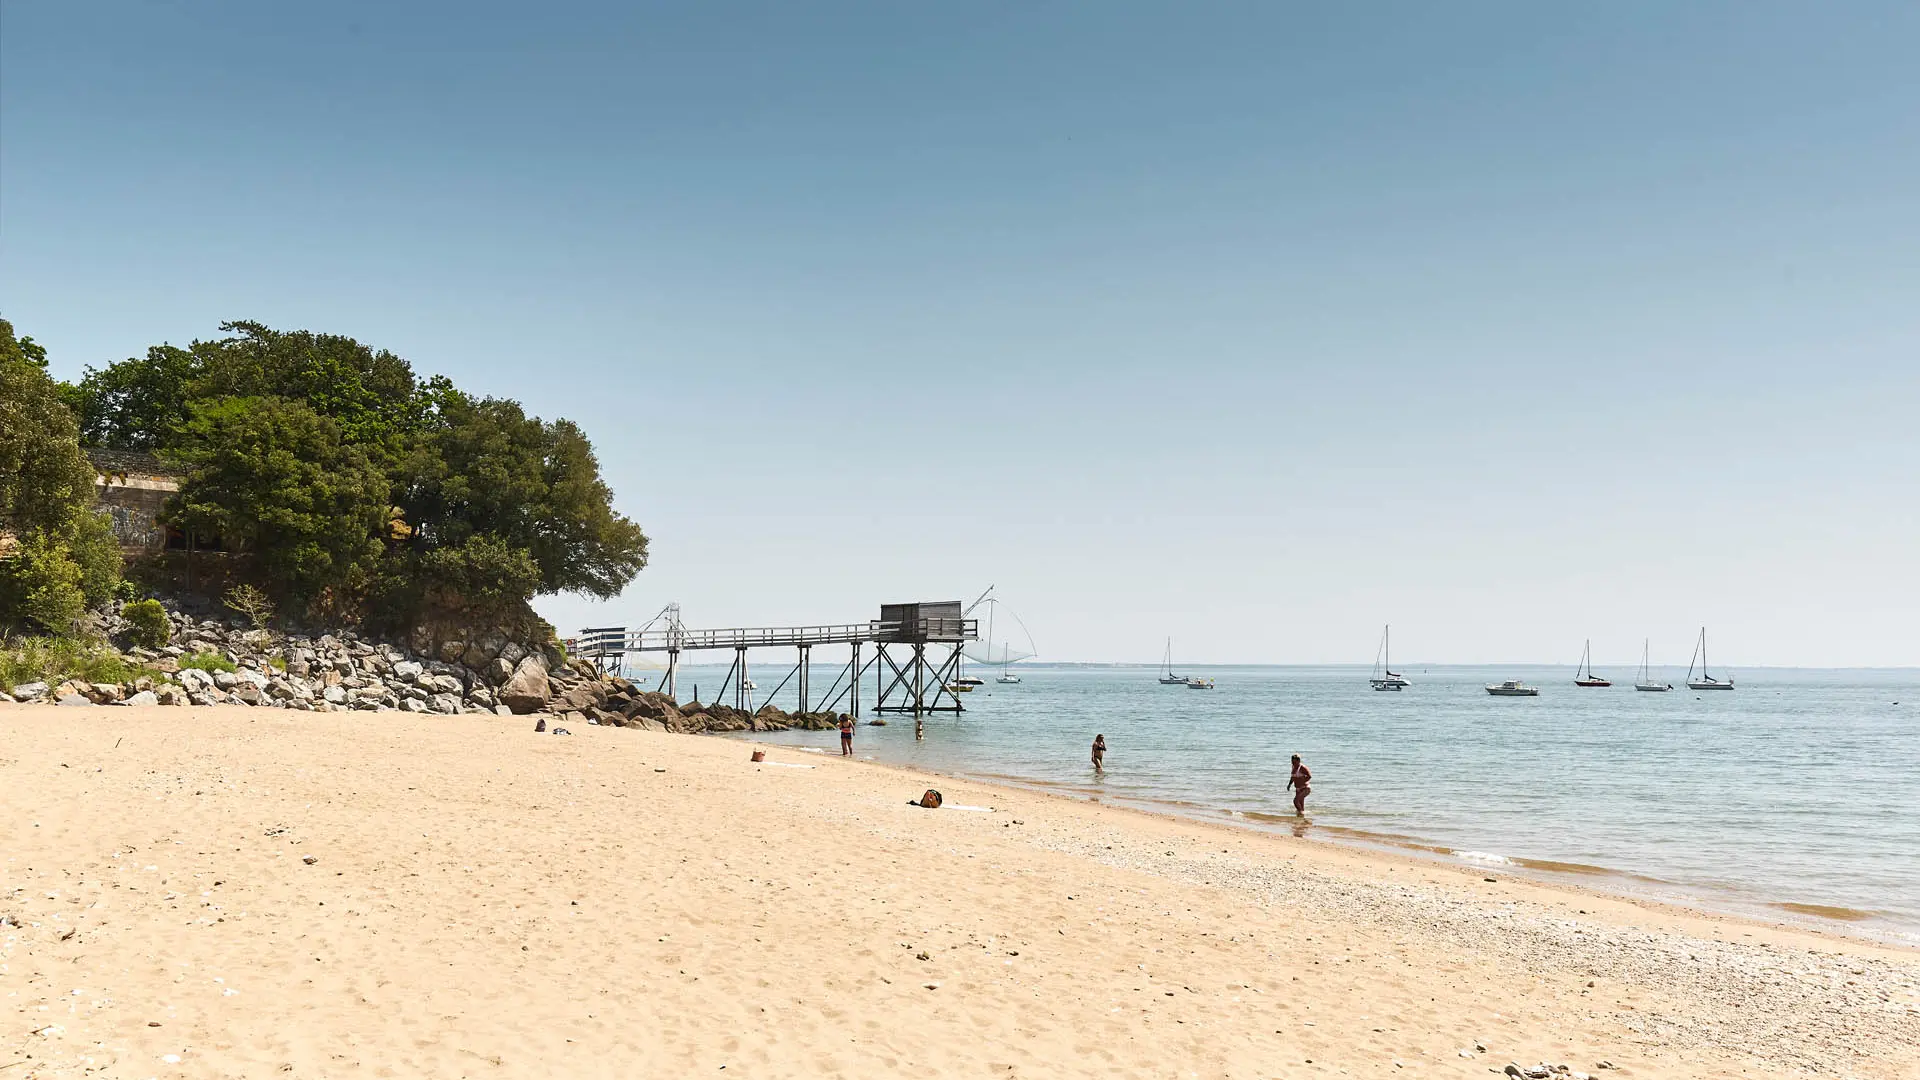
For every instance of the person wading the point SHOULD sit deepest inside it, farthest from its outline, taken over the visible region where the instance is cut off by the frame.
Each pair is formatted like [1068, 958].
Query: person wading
[1099, 752]
[1299, 782]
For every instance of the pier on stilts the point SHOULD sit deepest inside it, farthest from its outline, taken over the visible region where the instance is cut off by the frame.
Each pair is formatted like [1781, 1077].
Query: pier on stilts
[906, 677]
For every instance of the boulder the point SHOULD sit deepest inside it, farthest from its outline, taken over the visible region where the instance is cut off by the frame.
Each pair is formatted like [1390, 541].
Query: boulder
[30, 691]
[74, 701]
[170, 695]
[502, 710]
[446, 704]
[226, 680]
[195, 680]
[582, 696]
[144, 697]
[526, 692]
[103, 693]
[335, 695]
[413, 705]
[497, 671]
[482, 697]
[408, 670]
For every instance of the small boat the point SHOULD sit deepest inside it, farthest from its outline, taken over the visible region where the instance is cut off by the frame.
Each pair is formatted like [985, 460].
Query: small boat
[1645, 679]
[1167, 677]
[969, 680]
[1197, 683]
[957, 687]
[1383, 674]
[1007, 678]
[1586, 665]
[749, 685]
[1705, 681]
[1513, 688]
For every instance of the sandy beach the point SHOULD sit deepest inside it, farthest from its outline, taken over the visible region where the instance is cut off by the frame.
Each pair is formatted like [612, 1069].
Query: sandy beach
[214, 892]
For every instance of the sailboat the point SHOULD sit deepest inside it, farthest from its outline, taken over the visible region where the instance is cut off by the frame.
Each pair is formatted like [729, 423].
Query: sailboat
[1705, 681]
[1383, 674]
[1167, 677]
[1586, 665]
[1645, 681]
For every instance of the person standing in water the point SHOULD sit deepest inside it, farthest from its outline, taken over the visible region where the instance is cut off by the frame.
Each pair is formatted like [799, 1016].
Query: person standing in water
[1099, 752]
[846, 736]
[1299, 782]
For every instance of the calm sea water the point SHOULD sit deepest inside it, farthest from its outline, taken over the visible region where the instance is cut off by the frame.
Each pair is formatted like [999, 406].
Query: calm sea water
[1797, 788]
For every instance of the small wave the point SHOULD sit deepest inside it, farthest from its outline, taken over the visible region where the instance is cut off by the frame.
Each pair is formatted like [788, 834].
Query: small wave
[1484, 858]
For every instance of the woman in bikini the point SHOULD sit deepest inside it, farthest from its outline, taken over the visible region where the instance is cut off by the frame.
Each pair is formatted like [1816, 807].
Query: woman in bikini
[1099, 752]
[846, 736]
[1299, 782]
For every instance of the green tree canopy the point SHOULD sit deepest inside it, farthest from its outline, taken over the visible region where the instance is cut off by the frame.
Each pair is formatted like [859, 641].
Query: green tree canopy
[45, 481]
[275, 479]
[486, 468]
[369, 394]
[58, 556]
[140, 402]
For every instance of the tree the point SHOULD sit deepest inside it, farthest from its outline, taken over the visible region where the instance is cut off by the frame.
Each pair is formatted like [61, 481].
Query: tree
[485, 468]
[138, 403]
[55, 556]
[22, 350]
[369, 394]
[272, 477]
[44, 478]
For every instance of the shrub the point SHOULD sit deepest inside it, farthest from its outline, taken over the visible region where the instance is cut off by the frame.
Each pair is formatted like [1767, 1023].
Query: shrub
[150, 626]
[252, 603]
[207, 661]
[55, 660]
[40, 585]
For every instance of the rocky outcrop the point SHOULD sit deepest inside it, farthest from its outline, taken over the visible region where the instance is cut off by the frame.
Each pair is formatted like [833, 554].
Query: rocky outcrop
[341, 672]
[527, 689]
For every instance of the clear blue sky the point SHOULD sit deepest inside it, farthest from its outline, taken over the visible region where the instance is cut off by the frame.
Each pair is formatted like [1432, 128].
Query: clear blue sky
[1258, 325]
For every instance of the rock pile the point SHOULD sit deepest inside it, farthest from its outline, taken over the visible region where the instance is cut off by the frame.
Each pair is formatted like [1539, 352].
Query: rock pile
[335, 672]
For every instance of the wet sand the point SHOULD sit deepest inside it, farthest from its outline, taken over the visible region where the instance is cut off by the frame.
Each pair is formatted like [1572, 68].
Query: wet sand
[484, 901]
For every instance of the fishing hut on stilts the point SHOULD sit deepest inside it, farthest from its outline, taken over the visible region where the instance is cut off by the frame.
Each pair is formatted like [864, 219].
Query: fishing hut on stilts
[907, 677]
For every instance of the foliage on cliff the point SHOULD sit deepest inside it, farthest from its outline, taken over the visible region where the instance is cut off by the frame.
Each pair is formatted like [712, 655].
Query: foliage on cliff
[362, 490]
[56, 556]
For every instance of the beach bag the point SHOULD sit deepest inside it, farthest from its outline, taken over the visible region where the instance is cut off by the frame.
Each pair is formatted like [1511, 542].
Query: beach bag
[930, 800]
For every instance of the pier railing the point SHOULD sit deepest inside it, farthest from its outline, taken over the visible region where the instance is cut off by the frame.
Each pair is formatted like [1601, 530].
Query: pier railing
[611, 641]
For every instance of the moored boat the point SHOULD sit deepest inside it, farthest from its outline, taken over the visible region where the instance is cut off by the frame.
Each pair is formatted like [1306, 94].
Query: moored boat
[1167, 677]
[1645, 680]
[1197, 683]
[1384, 677]
[1705, 681]
[1513, 688]
[1586, 666]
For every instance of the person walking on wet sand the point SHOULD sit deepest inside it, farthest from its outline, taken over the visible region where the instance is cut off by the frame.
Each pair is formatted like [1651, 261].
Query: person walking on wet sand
[1299, 782]
[1099, 752]
[846, 736]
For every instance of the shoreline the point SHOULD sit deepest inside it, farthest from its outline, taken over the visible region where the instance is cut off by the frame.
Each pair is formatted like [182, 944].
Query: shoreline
[1853, 924]
[232, 891]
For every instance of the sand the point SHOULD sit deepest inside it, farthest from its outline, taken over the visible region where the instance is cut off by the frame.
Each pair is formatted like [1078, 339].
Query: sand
[237, 892]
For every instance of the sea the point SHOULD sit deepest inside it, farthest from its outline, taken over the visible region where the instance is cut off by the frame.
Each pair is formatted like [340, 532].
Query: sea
[1794, 797]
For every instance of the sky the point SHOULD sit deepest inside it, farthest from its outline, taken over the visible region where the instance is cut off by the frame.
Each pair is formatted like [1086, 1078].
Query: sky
[1257, 326]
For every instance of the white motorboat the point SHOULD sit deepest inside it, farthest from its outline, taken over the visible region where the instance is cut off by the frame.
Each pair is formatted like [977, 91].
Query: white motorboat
[1384, 677]
[1645, 680]
[1705, 681]
[1513, 688]
[969, 680]
[1197, 683]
